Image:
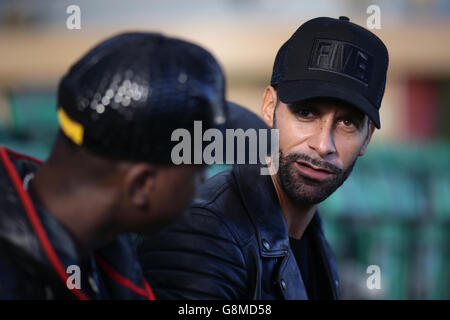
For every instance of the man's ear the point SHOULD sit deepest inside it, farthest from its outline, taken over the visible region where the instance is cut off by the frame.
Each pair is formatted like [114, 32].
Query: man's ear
[139, 181]
[268, 105]
[368, 138]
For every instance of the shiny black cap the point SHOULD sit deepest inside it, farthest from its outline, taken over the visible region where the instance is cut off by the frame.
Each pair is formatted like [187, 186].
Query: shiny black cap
[126, 96]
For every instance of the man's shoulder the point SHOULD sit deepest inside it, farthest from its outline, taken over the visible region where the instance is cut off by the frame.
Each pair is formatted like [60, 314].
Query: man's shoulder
[216, 189]
[220, 200]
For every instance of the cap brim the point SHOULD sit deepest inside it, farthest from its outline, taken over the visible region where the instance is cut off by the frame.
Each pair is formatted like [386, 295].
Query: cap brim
[294, 91]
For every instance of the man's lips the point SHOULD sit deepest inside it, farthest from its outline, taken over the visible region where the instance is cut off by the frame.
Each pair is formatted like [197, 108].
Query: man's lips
[304, 163]
[313, 172]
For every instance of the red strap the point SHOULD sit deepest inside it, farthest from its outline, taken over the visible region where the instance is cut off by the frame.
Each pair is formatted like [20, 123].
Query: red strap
[124, 281]
[20, 155]
[34, 219]
[151, 295]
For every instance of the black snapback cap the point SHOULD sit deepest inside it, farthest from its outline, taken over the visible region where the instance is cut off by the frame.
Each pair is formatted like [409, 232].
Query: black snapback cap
[126, 96]
[333, 58]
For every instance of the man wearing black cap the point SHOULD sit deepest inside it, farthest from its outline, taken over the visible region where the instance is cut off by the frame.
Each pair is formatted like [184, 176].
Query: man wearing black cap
[250, 236]
[62, 222]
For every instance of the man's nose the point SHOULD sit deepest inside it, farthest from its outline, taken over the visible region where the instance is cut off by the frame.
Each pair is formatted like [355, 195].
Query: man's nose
[322, 141]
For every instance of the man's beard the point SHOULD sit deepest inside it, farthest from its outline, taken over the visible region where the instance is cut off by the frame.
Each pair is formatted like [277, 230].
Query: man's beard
[304, 190]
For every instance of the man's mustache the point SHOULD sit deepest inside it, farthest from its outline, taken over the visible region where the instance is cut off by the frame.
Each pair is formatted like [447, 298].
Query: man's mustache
[294, 157]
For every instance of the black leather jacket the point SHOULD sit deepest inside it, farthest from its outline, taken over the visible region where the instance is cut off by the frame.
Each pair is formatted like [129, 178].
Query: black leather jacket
[28, 271]
[232, 244]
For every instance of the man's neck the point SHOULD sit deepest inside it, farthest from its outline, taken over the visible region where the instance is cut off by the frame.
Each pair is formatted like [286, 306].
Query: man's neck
[297, 216]
[84, 219]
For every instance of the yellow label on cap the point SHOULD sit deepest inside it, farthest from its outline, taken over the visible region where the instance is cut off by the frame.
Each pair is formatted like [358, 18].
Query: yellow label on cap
[72, 129]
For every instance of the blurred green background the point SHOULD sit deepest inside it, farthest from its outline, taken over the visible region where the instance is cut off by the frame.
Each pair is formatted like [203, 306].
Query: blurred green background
[394, 210]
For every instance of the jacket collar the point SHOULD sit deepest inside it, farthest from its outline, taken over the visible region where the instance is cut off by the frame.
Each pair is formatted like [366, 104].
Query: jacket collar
[262, 204]
[15, 228]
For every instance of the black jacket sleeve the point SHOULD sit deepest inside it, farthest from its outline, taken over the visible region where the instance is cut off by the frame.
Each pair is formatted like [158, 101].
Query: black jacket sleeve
[196, 258]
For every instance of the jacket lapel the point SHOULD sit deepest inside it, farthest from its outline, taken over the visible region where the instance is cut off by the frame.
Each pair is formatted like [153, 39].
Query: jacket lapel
[261, 202]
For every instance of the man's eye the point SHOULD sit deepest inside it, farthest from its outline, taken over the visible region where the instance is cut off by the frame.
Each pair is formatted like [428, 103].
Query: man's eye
[304, 113]
[348, 123]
